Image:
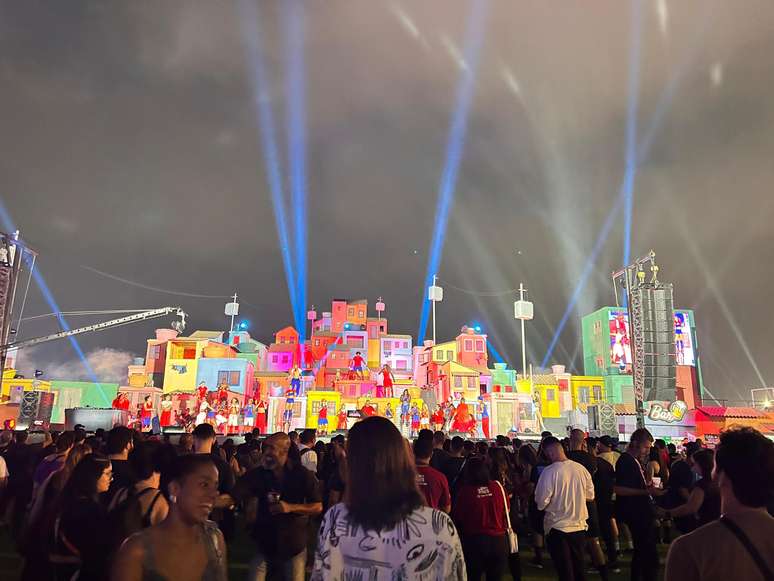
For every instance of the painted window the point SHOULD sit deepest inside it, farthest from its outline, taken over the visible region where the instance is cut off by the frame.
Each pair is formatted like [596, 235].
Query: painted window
[450, 356]
[439, 355]
[316, 342]
[583, 394]
[550, 395]
[597, 391]
[361, 314]
[282, 339]
[472, 382]
[230, 378]
[468, 345]
[401, 364]
[351, 311]
[373, 332]
[458, 381]
[480, 345]
[387, 345]
[274, 358]
[382, 328]
[355, 341]
[189, 353]
[285, 359]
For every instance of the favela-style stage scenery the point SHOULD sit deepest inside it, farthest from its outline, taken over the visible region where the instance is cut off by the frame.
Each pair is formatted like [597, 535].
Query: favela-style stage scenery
[642, 367]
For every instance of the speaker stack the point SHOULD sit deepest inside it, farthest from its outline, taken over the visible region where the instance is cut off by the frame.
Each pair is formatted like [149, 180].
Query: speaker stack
[658, 326]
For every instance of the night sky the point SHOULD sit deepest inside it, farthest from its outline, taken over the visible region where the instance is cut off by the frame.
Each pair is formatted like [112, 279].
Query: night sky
[131, 144]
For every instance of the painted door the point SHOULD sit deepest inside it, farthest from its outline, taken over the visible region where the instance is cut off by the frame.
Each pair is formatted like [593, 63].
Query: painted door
[505, 418]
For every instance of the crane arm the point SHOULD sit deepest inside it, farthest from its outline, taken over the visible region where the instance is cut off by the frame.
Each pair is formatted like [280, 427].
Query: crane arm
[144, 316]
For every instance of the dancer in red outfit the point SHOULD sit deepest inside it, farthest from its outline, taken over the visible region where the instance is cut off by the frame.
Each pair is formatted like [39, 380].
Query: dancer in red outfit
[166, 411]
[260, 416]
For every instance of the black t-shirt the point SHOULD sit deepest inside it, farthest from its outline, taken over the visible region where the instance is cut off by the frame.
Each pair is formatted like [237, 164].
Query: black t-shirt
[123, 477]
[628, 473]
[680, 476]
[439, 459]
[452, 469]
[226, 478]
[279, 536]
[710, 508]
[84, 523]
[604, 483]
[584, 459]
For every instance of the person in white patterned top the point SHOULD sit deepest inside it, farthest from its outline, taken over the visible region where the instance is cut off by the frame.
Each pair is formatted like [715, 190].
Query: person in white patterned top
[382, 531]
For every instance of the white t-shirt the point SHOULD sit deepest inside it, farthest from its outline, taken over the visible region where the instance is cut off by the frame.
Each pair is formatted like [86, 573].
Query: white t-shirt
[562, 491]
[424, 547]
[308, 459]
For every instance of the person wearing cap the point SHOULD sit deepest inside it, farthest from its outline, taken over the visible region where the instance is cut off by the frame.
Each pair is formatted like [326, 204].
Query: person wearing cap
[606, 450]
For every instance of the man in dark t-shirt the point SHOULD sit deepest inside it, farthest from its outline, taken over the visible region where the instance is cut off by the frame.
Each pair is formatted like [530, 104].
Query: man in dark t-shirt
[634, 504]
[454, 464]
[287, 495]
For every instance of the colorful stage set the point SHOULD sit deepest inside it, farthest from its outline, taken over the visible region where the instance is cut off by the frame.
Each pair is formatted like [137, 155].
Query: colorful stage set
[353, 366]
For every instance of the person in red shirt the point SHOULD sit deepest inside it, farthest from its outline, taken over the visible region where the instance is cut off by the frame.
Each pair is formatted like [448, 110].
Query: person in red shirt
[479, 514]
[341, 421]
[368, 410]
[202, 391]
[437, 419]
[431, 482]
[357, 364]
[322, 418]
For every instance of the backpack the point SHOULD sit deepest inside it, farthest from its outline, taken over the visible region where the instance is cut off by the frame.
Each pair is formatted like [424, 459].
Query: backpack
[124, 514]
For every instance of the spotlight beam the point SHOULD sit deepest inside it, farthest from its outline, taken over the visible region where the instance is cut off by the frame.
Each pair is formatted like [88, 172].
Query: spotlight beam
[295, 90]
[251, 35]
[631, 126]
[643, 150]
[474, 37]
[48, 296]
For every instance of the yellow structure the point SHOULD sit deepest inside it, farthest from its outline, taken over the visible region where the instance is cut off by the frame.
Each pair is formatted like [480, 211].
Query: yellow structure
[13, 388]
[547, 390]
[374, 355]
[444, 352]
[314, 401]
[461, 380]
[183, 354]
[585, 390]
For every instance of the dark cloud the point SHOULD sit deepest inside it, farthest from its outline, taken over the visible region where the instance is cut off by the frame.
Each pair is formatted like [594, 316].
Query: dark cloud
[130, 144]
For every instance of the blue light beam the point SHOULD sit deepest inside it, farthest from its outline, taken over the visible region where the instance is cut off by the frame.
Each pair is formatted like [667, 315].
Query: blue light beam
[48, 296]
[631, 126]
[295, 90]
[474, 37]
[251, 35]
[643, 150]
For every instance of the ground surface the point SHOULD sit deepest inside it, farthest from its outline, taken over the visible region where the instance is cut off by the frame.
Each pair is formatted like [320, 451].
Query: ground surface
[240, 552]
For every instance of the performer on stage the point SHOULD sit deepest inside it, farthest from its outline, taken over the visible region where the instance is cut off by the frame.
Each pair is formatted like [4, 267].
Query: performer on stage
[166, 411]
[322, 419]
[146, 415]
[462, 421]
[341, 420]
[388, 380]
[368, 410]
[357, 364]
[212, 416]
[201, 392]
[484, 418]
[121, 402]
[287, 413]
[405, 404]
[388, 413]
[248, 413]
[222, 394]
[204, 408]
[448, 414]
[295, 380]
[424, 418]
[261, 411]
[414, 420]
[221, 419]
[233, 416]
[437, 419]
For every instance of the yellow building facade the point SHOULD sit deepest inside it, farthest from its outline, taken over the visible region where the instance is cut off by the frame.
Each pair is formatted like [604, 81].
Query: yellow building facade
[182, 363]
[585, 390]
[13, 388]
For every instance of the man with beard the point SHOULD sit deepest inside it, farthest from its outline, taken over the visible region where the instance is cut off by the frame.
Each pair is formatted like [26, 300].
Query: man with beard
[288, 495]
